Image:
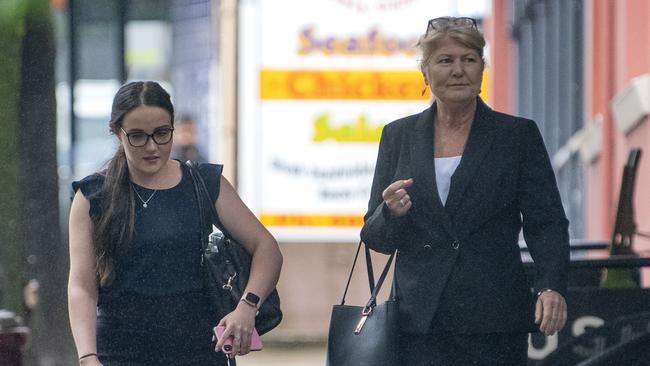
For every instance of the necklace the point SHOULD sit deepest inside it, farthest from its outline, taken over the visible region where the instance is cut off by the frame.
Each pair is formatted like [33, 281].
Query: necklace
[144, 202]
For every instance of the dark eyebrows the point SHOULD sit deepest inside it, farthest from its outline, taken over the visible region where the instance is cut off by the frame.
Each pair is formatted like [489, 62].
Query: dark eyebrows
[134, 130]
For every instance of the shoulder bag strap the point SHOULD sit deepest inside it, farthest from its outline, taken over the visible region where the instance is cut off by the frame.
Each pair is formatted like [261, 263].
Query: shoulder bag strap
[347, 285]
[199, 184]
[373, 297]
[194, 173]
[202, 195]
[371, 272]
[374, 288]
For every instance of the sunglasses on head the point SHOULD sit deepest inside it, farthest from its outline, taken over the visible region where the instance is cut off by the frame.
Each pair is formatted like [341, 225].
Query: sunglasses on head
[461, 22]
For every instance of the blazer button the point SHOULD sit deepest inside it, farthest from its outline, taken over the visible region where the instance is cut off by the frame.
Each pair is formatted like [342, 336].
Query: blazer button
[455, 244]
[427, 247]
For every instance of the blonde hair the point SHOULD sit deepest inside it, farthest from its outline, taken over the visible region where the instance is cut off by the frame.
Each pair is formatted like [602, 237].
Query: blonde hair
[429, 42]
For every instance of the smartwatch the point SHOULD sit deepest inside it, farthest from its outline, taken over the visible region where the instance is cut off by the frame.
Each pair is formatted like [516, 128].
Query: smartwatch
[251, 299]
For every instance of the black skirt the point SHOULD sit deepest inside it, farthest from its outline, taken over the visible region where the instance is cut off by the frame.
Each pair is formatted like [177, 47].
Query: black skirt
[440, 348]
[164, 330]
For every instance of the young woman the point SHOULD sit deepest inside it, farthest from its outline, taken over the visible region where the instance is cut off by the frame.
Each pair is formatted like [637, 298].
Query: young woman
[136, 293]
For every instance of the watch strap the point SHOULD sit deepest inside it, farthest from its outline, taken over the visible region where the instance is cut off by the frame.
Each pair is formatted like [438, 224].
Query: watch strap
[251, 299]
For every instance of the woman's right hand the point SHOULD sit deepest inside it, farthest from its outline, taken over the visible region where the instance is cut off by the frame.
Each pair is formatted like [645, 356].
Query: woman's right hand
[239, 324]
[396, 198]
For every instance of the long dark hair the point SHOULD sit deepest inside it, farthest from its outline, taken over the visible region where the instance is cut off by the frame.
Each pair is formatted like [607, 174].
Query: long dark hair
[114, 228]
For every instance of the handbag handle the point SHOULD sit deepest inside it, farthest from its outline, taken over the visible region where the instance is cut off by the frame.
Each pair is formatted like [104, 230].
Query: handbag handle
[374, 288]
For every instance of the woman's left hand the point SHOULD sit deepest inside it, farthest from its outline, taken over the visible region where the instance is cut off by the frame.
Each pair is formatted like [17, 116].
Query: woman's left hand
[239, 324]
[550, 312]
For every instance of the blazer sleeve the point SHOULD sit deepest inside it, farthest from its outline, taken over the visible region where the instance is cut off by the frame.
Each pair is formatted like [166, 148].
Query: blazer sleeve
[545, 226]
[380, 231]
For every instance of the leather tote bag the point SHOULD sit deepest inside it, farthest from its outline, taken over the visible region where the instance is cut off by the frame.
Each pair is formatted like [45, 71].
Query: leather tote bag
[227, 264]
[365, 335]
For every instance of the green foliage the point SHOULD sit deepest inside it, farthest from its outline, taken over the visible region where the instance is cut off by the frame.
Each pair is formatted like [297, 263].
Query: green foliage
[38, 9]
[620, 278]
[12, 15]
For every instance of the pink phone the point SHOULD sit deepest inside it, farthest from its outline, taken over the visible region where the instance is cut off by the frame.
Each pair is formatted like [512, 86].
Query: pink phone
[256, 341]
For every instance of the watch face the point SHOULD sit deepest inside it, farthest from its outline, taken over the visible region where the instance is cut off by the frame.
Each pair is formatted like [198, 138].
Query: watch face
[252, 298]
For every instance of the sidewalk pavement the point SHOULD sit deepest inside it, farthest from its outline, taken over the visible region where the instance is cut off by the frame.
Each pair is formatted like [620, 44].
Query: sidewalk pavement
[286, 355]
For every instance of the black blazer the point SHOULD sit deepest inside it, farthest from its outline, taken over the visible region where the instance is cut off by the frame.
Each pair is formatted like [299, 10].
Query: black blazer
[459, 265]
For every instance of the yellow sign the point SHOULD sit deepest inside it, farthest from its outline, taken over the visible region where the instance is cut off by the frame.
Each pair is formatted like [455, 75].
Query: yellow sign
[356, 131]
[312, 220]
[329, 85]
[340, 84]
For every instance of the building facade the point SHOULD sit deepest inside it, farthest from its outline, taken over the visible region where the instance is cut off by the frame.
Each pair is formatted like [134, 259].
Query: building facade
[580, 68]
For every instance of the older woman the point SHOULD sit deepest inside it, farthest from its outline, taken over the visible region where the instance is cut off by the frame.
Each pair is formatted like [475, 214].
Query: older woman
[454, 185]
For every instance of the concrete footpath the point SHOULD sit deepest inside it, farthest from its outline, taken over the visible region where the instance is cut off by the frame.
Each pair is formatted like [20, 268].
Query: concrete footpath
[286, 355]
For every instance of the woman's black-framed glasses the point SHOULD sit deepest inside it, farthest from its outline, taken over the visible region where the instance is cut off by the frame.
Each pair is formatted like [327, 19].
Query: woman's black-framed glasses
[461, 22]
[160, 136]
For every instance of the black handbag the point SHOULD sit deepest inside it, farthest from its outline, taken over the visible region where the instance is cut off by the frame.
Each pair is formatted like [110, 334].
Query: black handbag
[227, 264]
[365, 335]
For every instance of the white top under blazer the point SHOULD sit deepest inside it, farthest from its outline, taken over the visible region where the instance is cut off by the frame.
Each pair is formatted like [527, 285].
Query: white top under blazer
[445, 168]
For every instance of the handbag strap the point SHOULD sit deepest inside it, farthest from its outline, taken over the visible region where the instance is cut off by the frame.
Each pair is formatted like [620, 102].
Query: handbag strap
[373, 297]
[371, 273]
[203, 195]
[347, 285]
[199, 201]
[374, 288]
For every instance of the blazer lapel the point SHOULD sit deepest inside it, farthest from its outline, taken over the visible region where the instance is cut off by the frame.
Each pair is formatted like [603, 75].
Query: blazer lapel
[478, 143]
[423, 170]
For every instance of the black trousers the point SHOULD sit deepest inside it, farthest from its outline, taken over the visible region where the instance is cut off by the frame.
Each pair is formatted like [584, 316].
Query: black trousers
[441, 348]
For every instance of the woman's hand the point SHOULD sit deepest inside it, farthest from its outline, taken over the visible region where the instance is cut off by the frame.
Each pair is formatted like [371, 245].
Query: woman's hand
[550, 312]
[239, 324]
[396, 198]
